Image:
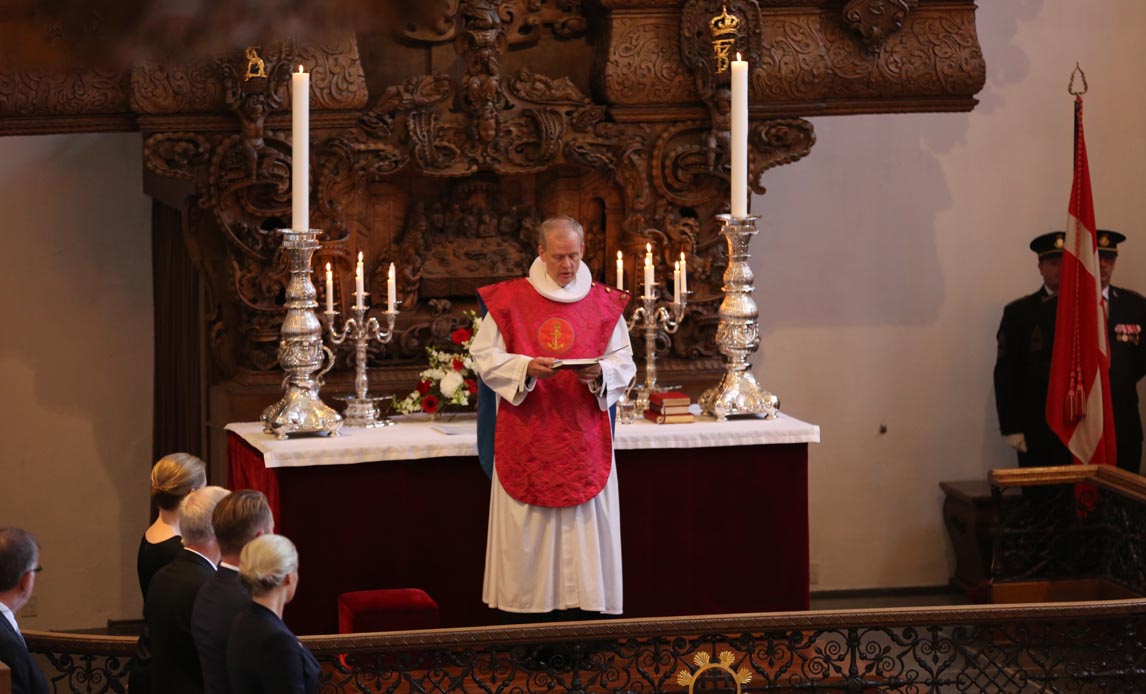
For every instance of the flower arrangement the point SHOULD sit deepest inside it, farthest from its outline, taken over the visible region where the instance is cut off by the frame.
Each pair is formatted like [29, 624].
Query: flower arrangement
[450, 378]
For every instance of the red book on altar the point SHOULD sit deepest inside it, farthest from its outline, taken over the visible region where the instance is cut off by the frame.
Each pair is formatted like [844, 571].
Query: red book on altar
[659, 418]
[669, 409]
[668, 397]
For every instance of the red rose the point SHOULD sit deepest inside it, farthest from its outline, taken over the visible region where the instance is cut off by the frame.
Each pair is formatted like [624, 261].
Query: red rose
[424, 387]
[471, 386]
[460, 336]
[459, 364]
[429, 404]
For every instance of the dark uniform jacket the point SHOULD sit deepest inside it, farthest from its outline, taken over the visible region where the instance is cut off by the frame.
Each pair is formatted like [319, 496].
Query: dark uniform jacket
[26, 675]
[1022, 375]
[170, 599]
[1125, 320]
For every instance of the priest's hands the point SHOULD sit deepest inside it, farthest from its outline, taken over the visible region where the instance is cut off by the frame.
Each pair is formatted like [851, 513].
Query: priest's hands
[540, 367]
[589, 374]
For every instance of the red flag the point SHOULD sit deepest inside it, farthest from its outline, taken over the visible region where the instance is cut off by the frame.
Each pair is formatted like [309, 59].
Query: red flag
[1078, 399]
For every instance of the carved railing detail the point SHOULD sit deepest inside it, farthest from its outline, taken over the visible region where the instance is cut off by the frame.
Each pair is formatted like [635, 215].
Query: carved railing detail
[1081, 647]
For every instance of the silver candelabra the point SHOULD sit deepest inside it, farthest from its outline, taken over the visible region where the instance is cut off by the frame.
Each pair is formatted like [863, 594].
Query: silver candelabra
[360, 408]
[738, 334]
[301, 352]
[653, 317]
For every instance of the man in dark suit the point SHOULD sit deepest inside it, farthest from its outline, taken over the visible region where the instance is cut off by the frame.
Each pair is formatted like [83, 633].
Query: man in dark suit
[171, 596]
[19, 564]
[1026, 340]
[239, 518]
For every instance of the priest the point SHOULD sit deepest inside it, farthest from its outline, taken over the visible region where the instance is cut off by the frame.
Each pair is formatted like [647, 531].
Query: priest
[554, 542]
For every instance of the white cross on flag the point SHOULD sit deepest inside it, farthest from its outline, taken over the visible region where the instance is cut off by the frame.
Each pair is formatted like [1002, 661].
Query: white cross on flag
[1078, 399]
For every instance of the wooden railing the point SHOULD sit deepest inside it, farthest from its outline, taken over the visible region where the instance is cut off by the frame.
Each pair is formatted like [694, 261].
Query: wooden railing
[1080, 647]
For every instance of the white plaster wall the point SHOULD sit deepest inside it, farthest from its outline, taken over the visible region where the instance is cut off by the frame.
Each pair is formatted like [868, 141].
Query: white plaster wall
[76, 368]
[886, 258]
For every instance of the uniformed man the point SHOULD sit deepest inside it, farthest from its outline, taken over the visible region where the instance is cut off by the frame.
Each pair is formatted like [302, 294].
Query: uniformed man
[1026, 339]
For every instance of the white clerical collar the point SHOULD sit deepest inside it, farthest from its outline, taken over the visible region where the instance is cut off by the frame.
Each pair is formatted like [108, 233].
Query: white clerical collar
[1106, 292]
[225, 565]
[1049, 291]
[548, 288]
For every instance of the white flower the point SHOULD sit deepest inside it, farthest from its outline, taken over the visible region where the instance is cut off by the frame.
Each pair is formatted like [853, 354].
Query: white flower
[450, 383]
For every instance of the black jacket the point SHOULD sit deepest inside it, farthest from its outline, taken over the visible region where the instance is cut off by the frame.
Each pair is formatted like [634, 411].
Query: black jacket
[220, 599]
[26, 675]
[167, 611]
[264, 657]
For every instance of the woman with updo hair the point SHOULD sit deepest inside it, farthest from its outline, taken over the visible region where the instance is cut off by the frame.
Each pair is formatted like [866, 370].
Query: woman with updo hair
[263, 656]
[172, 478]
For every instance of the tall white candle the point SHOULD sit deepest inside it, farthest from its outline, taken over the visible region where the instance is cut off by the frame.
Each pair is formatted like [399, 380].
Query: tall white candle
[359, 283]
[300, 150]
[329, 290]
[676, 282]
[648, 271]
[683, 275]
[620, 270]
[391, 289]
[739, 137]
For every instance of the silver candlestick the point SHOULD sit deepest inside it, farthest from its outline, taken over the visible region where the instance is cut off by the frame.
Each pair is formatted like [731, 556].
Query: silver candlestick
[360, 408]
[738, 334]
[653, 317]
[301, 352]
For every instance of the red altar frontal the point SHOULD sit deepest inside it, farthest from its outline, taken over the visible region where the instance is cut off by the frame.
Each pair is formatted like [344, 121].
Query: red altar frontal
[714, 515]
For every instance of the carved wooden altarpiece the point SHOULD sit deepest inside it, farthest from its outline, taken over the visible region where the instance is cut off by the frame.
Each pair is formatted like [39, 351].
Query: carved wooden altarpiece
[440, 143]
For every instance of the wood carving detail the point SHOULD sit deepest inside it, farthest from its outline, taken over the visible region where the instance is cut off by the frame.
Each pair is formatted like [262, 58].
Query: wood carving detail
[875, 20]
[436, 21]
[811, 58]
[337, 81]
[643, 65]
[34, 92]
[447, 173]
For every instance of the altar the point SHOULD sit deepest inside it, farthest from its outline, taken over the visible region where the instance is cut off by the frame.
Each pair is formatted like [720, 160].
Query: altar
[714, 515]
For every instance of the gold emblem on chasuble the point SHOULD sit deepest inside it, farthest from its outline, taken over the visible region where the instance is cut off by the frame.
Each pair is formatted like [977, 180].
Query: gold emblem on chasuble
[555, 335]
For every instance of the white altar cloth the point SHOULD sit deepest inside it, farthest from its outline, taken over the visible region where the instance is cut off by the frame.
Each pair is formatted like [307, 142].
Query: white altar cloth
[415, 437]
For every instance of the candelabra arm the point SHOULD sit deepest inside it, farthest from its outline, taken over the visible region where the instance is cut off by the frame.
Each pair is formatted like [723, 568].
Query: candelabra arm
[360, 408]
[652, 318]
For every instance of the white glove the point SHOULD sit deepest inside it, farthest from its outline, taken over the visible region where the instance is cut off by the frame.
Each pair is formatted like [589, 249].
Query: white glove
[1017, 442]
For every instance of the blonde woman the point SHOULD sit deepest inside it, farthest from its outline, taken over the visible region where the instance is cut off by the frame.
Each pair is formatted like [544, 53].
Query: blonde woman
[172, 478]
[263, 656]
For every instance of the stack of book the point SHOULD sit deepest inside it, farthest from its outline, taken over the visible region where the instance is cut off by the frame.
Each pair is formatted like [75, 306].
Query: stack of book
[669, 407]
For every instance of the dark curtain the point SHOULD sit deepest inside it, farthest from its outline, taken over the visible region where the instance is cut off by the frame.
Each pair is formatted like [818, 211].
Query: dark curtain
[179, 388]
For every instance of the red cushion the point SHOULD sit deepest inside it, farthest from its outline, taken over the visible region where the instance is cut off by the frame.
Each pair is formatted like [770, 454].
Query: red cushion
[389, 609]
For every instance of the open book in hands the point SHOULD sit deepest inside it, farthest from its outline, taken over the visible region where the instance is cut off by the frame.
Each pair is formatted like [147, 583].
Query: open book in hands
[580, 363]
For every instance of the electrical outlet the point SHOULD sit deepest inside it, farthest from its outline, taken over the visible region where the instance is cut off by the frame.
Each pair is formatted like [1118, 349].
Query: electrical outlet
[31, 608]
[814, 574]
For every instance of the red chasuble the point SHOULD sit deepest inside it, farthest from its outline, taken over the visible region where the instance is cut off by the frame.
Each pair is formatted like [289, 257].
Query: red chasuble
[555, 448]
